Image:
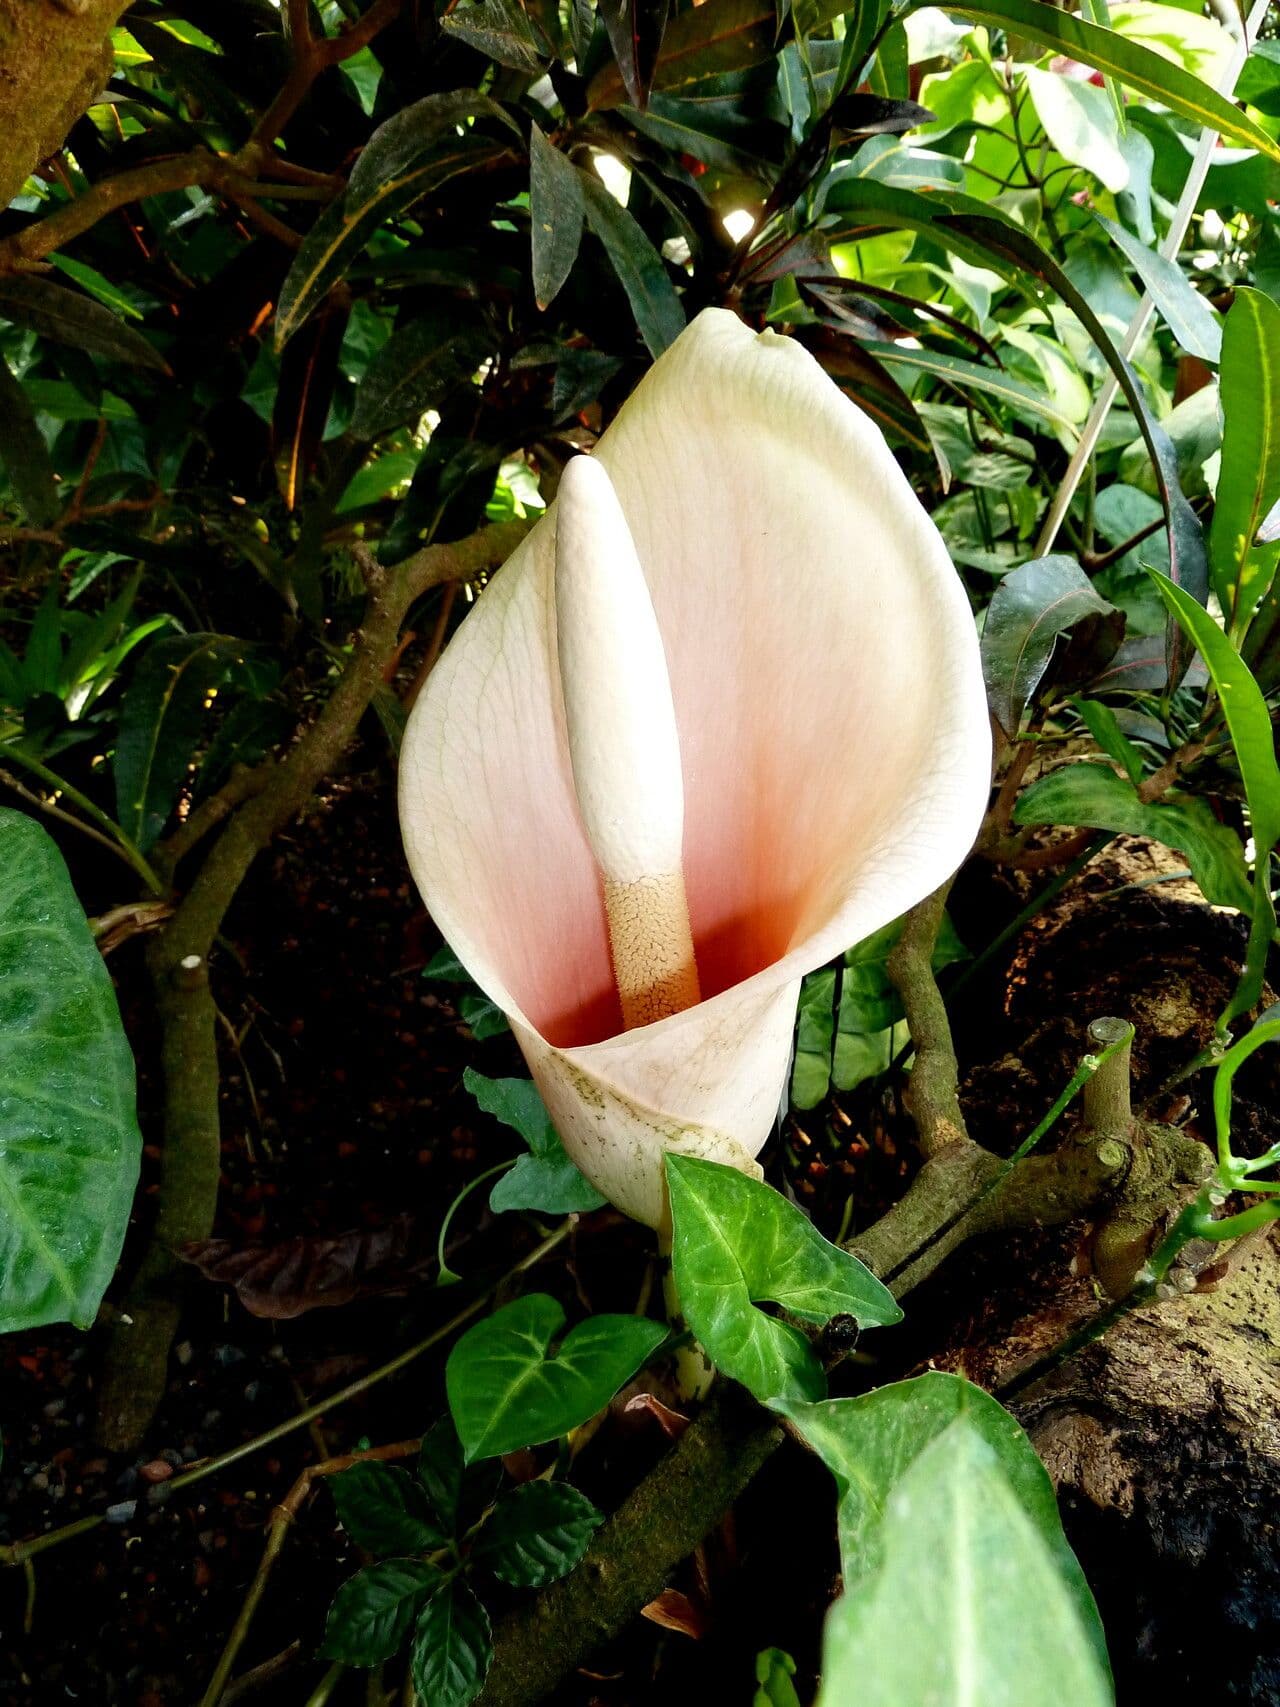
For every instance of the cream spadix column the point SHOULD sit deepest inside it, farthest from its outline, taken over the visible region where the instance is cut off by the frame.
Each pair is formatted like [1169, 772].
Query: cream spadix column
[623, 745]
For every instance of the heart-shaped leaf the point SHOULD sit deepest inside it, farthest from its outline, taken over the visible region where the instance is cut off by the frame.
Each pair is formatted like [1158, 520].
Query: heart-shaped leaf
[508, 1388]
[545, 1179]
[737, 1243]
[537, 1534]
[69, 1142]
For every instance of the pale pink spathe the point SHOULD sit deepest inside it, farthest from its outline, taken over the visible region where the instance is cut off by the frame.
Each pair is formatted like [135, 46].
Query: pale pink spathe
[833, 734]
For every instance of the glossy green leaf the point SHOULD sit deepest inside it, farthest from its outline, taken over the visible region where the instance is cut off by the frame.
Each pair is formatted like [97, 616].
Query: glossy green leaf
[537, 1534]
[1081, 123]
[384, 1510]
[1138, 67]
[1186, 313]
[640, 269]
[555, 216]
[452, 1647]
[545, 1179]
[869, 1443]
[511, 1385]
[413, 371]
[967, 375]
[24, 453]
[1249, 479]
[346, 225]
[373, 1611]
[502, 29]
[412, 137]
[737, 1243]
[1092, 796]
[68, 317]
[162, 719]
[69, 1142]
[720, 35]
[1245, 710]
[1103, 724]
[1029, 610]
[969, 1605]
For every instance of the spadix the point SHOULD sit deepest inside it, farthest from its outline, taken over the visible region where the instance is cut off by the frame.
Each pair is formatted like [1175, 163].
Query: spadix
[830, 742]
[623, 745]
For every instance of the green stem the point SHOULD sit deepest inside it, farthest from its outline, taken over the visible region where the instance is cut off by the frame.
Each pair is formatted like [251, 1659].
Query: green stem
[130, 850]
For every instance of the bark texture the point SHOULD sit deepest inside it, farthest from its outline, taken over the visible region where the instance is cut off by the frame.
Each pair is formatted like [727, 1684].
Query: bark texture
[55, 57]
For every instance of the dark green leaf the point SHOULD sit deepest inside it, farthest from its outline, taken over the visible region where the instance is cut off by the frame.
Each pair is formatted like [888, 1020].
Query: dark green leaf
[413, 135]
[969, 1605]
[502, 29]
[452, 1647]
[1103, 724]
[1030, 608]
[69, 1143]
[441, 1470]
[373, 1611]
[721, 35]
[508, 1388]
[555, 216]
[25, 454]
[545, 1179]
[70, 318]
[413, 371]
[635, 29]
[869, 1444]
[737, 1243]
[1249, 479]
[1187, 314]
[537, 1534]
[640, 268]
[384, 1510]
[162, 719]
[483, 1017]
[1094, 797]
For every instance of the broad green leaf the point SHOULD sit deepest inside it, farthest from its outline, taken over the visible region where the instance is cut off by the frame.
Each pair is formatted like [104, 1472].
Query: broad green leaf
[545, 1179]
[1259, 80]
[28, 299]
[510, 1386]
[413, 371]
[502, 29]
[1030, 608]
[1249, 480]
[1187, 315]
[1140, 68]
[555, 216]
[69, 1142]
[1245, 710]
[537, 1534]
[869, 1444]
[1081, 123]
[640, 269]
[347, 224]
[384, 1510]
[737, 1243]
[452, 1647]
[969, 1605]
[1092, 796]
[162, 719]
[815, 1039]
[374, 1610]
[24, 453]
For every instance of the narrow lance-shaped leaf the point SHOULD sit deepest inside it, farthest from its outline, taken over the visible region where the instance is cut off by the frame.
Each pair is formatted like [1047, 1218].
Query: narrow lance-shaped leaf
[555, 216]
[24, 453]
[640, 268]
[1186, 313]
[635, 34]
[70, 318]
[1249, 479]
[69, 1142]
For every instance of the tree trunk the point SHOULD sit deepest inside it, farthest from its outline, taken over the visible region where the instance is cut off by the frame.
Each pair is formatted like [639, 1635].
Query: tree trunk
[55, 57]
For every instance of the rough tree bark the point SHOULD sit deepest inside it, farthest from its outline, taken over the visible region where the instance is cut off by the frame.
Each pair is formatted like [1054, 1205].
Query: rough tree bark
[55, 56]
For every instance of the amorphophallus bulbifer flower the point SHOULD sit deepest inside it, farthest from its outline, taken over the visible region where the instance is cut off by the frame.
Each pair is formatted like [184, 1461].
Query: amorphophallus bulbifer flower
[719, 717]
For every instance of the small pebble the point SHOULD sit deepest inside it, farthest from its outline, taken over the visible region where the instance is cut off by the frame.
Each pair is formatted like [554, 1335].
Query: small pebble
[156, 1471]
[122, 1512]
